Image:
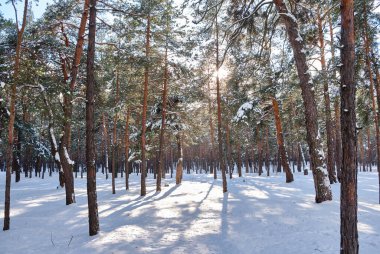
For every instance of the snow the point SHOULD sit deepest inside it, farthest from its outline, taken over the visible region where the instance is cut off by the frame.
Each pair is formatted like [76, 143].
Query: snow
[61, 98]
[68, 157]
[289, 15]
[42, 87]
[242, 111]
[56, 157]
[257, 215]
[299, 38]
[53, 138]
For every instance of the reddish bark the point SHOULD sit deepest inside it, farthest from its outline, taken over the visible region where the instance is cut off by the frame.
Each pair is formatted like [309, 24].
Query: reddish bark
[280, 142]
[322, 189]
[90, 144]
[12, 115]
[145, 106]
[348, 191]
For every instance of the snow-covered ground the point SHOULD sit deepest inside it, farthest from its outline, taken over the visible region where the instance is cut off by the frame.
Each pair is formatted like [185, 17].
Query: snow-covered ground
[258, 215]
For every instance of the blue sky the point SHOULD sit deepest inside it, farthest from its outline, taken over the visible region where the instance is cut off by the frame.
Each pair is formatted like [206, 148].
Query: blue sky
[38, 7]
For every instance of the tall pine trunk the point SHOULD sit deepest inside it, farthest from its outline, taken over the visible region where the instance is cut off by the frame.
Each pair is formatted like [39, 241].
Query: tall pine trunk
[145, 106]
[377, 85]
[12, 115]
[348, 192]
[212, 154]
[218, 98]
[229, 153]
[127, 149]
[90, 142]
[179, 169]
[326, 96]
[114, 139]
[322, 187]
[65, 143]
[161, 172]
[371, 82]
[280, 142]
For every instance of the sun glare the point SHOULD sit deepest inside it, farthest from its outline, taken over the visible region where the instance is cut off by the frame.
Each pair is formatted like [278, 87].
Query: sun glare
[223, 73]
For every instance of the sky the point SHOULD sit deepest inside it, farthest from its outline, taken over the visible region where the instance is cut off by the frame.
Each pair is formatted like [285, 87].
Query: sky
[38, 8]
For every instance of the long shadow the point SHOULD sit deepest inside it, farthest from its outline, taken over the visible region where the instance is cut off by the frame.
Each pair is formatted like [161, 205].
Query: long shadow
[224, 216]
[145, 201]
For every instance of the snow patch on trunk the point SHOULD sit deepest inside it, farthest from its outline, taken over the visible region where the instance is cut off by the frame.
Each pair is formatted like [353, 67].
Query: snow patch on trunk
[68, 157]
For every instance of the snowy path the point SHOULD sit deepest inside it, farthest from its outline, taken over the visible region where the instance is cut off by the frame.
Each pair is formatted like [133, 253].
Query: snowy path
[258, 215]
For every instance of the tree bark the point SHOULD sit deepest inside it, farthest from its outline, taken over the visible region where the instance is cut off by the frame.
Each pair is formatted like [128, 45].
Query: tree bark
[106, 144]
[259, 151]
[338, 140]
[145, 106]
[377, 85]
[90, 144]
[229, 153]
[127, 149]
[239, 163]
[212, 155]
[114, 139]
[218, 96]
[12, 115]
[369, 151]
[326, 95]
[267, 166]
[179, 168]
[280, 142]
[371, 82]
[162, 131]
[322, 187]
[348, 200]
[64, 146]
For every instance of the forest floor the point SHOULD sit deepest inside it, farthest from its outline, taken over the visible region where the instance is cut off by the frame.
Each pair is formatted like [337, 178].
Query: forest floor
[257, 215]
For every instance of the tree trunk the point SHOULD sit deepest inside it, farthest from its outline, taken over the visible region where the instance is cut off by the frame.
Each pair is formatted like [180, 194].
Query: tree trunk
[106, 144]
[12, 114]
[212, 155]
[64, 146]
[145, 106]
[322, 187]
[246, 161]
[114, 139]
[348, 195]
[239, 163]
[218, 96]
[338, 140]
[377, 87]
[267, 166]
[361, 152]
[369, 151]
[259, 151]
[326, 95]
[179, 169]
[17, 157]
[229, 152]
[90, 144]
[127, 149]
[162, 132]
[280, 142]
[299, 159]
